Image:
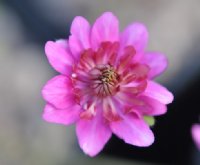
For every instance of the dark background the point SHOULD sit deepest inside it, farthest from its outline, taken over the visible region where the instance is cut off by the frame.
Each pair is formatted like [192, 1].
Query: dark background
[26, 25]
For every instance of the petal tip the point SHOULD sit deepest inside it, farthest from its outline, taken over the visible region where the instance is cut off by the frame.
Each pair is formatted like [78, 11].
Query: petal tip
[48, 46]
[108, 13]
[146, 142]
[88, 151]
[170, 97]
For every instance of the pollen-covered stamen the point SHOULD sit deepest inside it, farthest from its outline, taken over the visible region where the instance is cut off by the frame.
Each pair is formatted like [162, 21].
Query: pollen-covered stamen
[105, 80]
[109, 75]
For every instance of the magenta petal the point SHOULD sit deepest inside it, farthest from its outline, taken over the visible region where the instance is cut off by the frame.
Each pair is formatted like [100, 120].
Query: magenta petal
[92, 134]
[196, 134]
[58, 91]
[106, 28]
[61, 116]
[135, 35]
[150, 107]
[59, 57]
[133, 130]
[158, 92]
[80, 33]
[157, 63]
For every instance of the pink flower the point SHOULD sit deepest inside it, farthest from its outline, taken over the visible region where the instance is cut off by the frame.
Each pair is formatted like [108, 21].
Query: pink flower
[196, 134]
[105, 84]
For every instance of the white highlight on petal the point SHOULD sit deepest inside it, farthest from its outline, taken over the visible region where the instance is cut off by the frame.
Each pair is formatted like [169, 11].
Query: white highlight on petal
[74, 75]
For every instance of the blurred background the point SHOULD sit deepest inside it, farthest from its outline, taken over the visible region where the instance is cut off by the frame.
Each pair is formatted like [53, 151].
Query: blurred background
[25, 26]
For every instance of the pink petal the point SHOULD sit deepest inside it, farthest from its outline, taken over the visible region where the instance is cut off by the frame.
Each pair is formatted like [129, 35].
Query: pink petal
[80, 33]
[133, 130]
[59, 57]
[157, 63]
[158, 92]
[62, 43]
[128, 99]
[110, 108]
[196, 134]
[106, 28]
[137, 72]
[92, 134]
[135, 35]
[150, 107]
[126, 58]
[61, 116]
[58, 91]
[133, 88]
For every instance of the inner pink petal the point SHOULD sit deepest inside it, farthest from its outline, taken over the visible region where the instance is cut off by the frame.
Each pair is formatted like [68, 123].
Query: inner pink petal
[110, 110]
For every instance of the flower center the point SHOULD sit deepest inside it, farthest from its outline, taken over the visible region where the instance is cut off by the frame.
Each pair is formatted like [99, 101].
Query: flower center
[108, 81]
[109, 76]
[104, 80]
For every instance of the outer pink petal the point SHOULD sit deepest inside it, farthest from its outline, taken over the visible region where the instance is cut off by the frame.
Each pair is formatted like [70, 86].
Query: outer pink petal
[196, 134]
[135, 35]
[106, 28]
[80, 33]
[92, 134]
[58, 91]
[133, 130]
[61, 116]
[157, 63]
[150, 107]
[59, 57]
[158, 92]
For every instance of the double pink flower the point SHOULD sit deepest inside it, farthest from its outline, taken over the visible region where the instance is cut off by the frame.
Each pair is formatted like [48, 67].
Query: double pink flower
[105, 84]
